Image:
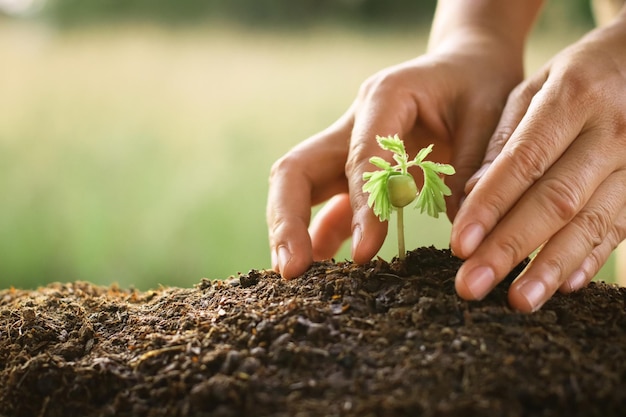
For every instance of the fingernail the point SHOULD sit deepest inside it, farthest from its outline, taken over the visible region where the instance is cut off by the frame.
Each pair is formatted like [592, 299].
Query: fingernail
[284, 256]
[471, 237]
[480, 281]
[534, 292]
[577, 280]
[356, 238]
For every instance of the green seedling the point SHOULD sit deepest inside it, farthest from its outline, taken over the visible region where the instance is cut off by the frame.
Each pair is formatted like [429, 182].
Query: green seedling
[393, 187]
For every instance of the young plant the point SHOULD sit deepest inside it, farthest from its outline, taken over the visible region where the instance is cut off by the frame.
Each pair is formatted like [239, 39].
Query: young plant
[393, 187]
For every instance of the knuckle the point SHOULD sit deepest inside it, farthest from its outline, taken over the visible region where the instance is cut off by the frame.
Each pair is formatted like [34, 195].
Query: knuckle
[575, 91]
[282, 226]
[595, 226]
[576, 85]
[618, 126]
[563, 199]
[358, 159]
[286, 164]
[359, 154]
[385, 82]
[523, 92]
[617, 233]
[500, 137]
[512, 249]
[557, 275]
[496, 205]
[527, 160]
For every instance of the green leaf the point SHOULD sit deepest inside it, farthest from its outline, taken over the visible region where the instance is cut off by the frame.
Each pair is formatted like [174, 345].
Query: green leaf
[378, 199]
[423, 153]
[391, 143]
[431, 197]
[439, 168]
[380, 163]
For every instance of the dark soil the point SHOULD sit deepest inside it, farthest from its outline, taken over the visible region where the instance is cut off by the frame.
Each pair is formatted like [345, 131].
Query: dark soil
[342, 340]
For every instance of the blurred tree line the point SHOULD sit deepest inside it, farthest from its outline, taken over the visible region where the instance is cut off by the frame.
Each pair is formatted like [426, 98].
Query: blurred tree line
[285, 13]
[250, 12]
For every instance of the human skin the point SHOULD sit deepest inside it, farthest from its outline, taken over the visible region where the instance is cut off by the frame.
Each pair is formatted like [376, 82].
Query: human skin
[451, 96]
[554, 176]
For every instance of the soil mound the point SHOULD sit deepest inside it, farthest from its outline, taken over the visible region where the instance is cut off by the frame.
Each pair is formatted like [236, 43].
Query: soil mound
[382, 339]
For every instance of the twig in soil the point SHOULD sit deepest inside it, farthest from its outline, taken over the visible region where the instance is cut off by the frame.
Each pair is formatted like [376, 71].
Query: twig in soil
[151, 354]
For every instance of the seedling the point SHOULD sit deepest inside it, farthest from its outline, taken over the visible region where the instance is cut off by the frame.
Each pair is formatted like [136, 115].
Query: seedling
[393, 187]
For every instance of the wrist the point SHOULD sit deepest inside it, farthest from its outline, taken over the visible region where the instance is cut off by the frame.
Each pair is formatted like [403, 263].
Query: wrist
[484, 28]
[482, 53]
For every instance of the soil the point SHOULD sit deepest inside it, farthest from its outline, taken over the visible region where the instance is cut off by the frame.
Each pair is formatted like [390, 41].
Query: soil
[382, 339]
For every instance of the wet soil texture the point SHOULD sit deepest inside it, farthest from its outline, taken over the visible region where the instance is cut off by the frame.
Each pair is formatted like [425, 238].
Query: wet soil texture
[342, 340]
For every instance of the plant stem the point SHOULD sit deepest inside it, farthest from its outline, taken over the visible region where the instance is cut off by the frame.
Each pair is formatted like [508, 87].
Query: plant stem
[400, 223]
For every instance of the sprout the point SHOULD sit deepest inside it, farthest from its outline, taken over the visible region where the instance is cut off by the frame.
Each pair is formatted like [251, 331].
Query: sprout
[393, 187]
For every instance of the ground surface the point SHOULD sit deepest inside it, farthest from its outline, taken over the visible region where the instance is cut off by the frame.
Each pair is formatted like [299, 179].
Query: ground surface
[377, 340]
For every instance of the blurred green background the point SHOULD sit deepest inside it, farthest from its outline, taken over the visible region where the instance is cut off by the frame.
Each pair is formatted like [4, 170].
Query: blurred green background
[136, 136]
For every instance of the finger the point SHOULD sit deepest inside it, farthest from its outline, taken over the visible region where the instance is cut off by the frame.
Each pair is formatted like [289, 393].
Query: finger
[374, 116]
[543, 134]
[546, 208]
[597, 258]
[309, 174]
[516, 106]
[566, 251]
[331, 227]
[470, 141]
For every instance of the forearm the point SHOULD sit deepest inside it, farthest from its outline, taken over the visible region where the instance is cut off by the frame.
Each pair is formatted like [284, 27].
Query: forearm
[461, 22]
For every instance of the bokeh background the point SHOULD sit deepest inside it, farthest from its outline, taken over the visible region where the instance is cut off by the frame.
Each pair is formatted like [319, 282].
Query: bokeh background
[136, 136]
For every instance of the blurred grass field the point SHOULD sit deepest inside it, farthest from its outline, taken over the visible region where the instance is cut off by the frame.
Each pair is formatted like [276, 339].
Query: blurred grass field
[139, 155]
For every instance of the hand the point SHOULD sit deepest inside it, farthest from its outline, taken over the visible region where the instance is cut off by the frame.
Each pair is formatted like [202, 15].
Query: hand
[452, 98]
[554, 177]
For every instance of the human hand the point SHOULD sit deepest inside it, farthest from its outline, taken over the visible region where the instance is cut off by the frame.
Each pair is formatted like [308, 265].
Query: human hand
[452, 97]
[554, 177]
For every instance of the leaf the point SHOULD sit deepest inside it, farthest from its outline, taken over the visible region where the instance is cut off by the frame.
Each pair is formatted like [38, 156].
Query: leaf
[380, 163]
[423, 153]
[378, 199]
[439, 168]
[431, 197]
[391, 143]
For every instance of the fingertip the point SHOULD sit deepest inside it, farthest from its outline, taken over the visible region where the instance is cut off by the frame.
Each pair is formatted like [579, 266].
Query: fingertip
[465, 242]
[290, 265]
[579, 278]
[461, 289]
[368, 236]
[474, 282]
[358, 254]
[576, 281]
[291, 251]
[528, 295]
